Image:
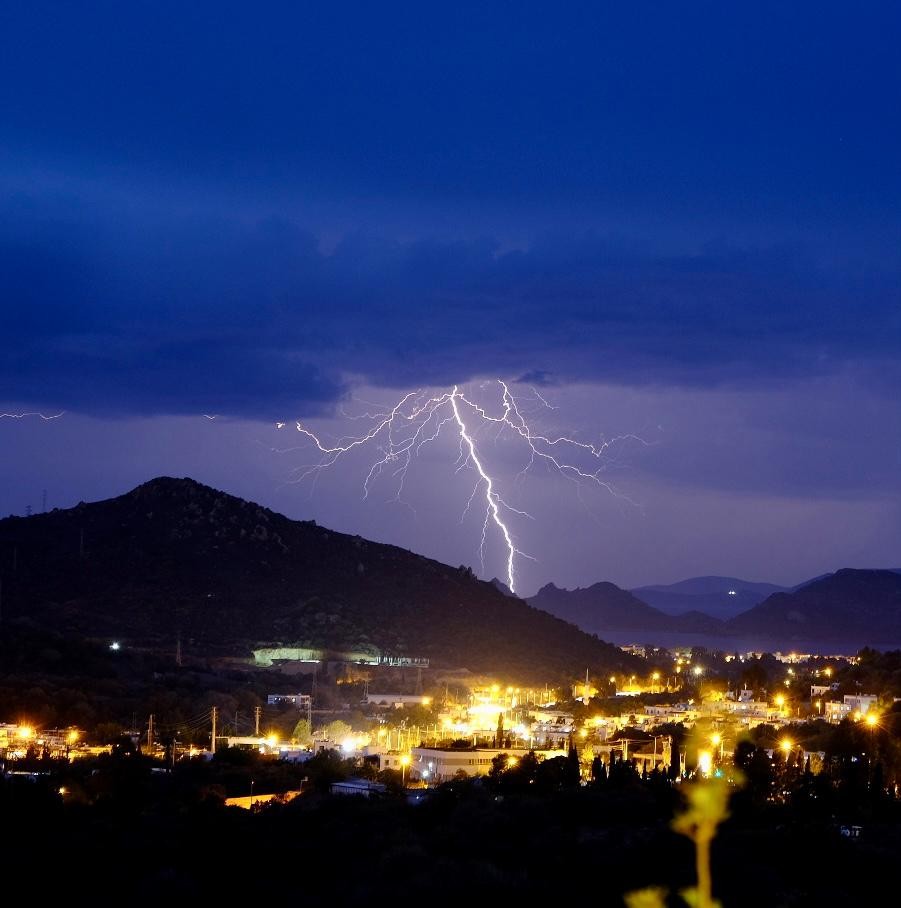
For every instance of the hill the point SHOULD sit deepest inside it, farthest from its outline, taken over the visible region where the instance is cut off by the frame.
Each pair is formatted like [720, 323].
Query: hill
[174, 559]
[605, 607]
[849, 604]
[721, 597]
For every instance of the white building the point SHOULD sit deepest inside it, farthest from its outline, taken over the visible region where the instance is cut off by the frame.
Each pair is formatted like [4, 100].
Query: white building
[434, 764]
[396, 701]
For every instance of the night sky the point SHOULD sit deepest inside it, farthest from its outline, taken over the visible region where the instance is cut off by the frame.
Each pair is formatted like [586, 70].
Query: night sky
[679, 221]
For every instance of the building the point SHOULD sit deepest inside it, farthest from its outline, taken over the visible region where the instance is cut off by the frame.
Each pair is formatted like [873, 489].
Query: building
[302, 701]
[361, 787]
[852, 706]
[439, 764]
[396, 701]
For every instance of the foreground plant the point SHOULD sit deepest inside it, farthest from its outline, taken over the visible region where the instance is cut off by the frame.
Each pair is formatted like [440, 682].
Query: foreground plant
[707, 807]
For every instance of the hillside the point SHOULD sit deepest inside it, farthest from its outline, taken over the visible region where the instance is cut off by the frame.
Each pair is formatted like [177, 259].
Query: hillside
[604, 607]
[177, 559]
[849, 604]
[720, 597]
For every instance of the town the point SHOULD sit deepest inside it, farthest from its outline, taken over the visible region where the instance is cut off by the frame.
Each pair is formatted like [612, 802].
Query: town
[686, 715]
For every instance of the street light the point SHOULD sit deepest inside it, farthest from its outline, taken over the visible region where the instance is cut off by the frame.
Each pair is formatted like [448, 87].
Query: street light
[404, 763]
[716, 739]
[872, 720]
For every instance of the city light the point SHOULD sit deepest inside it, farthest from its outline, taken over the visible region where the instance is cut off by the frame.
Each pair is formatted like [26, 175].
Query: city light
[697, 671]
[115, 645]
[705, 762]
[872, 719]
[25, 732]
[779, 700]
[786, 745]
[404, 763]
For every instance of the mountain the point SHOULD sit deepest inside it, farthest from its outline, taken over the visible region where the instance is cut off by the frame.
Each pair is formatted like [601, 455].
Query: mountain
[721, 597]
[605, 607]
[800, 586]
[847, 605]
[177, 560]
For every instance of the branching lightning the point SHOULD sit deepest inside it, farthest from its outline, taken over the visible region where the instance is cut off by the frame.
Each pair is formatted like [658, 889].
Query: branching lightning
[46, 416]
[397, 434]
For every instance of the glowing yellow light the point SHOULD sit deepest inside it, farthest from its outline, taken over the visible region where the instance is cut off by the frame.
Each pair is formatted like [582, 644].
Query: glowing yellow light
[613, 679]
[655, 676]
[827, 672]
[512, 761]
[25, 732]
[872, 719]
[716, 739]
[705, 762]
[272, 740]
[779, 700]
[495, 688]
[62, 789]
[72, 737]
[583, 733]
[405, 760]
[697, 670]
[786, 745]
[426, 701]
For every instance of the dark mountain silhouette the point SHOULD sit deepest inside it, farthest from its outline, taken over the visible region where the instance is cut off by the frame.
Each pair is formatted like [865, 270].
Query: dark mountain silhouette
[800, 586]
[605, 607]
[721, 597]
[847, 605]
[177, 559]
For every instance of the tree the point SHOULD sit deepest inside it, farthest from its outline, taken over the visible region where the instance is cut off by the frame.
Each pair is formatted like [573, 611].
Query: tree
[303, 733]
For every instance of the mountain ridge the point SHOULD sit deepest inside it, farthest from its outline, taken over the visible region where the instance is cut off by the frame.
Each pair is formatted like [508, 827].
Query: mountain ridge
[175, 559]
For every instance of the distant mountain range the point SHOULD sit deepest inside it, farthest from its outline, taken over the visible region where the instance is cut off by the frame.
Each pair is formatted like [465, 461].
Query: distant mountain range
[720, 597]
[174, 559]
[847, 605]
[605, 605]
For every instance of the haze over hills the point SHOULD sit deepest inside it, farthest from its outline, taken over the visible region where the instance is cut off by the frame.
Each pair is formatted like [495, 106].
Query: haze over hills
[720, 597]
[174, 558]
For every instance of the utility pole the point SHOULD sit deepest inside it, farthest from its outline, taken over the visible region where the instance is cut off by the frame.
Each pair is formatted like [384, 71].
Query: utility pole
[150, 735]
[214, 712]
[256, 721]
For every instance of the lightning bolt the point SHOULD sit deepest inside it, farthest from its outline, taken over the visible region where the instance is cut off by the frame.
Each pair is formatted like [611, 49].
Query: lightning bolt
[398, 433]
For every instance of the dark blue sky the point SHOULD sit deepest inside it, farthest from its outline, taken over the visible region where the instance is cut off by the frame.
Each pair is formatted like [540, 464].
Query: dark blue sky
[683, 217]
